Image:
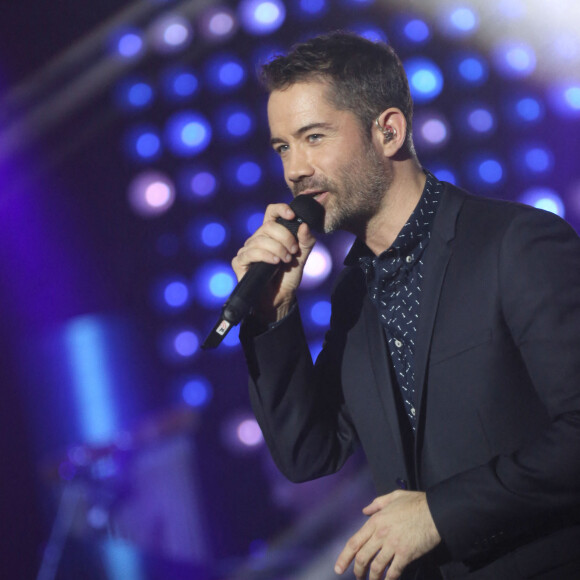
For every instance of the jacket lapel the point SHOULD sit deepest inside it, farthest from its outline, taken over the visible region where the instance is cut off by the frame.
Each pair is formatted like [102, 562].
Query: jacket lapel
[437, 257]
[382, 377]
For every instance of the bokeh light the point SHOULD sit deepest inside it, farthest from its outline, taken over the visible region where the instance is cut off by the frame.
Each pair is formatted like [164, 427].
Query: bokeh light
[318, 266]
[151, 193]
[171, 33]
[129, 44]
[196, 391]
[187, 133]
[261, 17]
[544, 198]
[514, 59]
[214, 282]
[425, 79]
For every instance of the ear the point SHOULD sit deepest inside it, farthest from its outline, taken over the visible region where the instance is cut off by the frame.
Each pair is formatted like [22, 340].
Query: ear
[390, 129]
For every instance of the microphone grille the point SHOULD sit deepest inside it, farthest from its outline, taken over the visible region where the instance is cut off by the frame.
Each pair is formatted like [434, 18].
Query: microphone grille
[310, 211]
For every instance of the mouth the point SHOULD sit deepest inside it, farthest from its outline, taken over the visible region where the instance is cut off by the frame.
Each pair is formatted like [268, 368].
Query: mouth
[317, 195]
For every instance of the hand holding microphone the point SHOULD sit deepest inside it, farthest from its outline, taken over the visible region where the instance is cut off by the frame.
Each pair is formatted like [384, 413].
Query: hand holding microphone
[270, 248]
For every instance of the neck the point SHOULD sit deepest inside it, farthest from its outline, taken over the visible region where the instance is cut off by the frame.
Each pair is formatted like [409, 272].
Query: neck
[398, 204]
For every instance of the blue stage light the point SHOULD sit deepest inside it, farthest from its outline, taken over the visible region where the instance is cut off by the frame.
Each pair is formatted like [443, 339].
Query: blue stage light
[90, 352]
[544, 198]
[370, 32]
[234, 122]
[481, 120]
[529, 109]
[572, 97]
[220, 284]
[417, 30]
[179, 83]
[515, 59]
[176, 294]
[313, 7]
[188, 133]
[225, 73]
[147, 145]
[232, 339]
[133, 94]
[203, 183]
[140, 95]
[185, 343]
[171, 294]
[490, 171]
[205, 233]
[254, 221]
[425, 79]
[261, 17]
[463, 20]
[537, 159]
[143, 143]
[130, 45]
[196, 391]
[444, 174]
[214, 282]
[249, 218]
[213, 234]
[315, 348]
[231, 73]
[239, 124]
[245, 172]
[320, 313]
[565, 99]
[472, 69]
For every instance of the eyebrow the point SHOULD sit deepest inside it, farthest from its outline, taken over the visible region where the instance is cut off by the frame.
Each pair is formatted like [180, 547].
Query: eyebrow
[301, 131]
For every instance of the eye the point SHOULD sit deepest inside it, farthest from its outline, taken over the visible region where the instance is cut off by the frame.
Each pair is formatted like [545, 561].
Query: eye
[281, 149]
[314, 137]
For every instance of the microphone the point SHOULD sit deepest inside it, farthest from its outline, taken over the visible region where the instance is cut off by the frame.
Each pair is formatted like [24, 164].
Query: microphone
[249, 289]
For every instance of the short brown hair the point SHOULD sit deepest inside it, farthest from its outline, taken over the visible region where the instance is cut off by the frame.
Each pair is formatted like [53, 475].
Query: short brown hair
[364, 77]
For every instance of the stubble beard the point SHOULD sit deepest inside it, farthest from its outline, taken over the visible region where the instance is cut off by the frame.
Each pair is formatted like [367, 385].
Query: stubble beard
[356, 195]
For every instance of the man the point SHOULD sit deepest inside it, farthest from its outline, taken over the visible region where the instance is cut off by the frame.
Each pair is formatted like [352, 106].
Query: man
[453, 354]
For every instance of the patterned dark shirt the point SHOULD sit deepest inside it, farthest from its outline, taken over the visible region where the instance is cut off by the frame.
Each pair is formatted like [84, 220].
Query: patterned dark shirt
[394, 285]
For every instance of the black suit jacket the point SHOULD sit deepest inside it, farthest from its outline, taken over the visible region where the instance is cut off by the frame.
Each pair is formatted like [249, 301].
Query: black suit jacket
[497, 373]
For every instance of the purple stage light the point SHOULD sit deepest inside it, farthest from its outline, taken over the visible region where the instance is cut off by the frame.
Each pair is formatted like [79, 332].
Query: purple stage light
[151, 193]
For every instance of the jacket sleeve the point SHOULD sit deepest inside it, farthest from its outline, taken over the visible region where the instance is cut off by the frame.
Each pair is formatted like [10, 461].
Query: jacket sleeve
[539, 484]
[298, 405]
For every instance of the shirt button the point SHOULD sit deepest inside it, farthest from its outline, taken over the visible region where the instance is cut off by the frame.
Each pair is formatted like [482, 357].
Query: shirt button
[409, 259]
[398, 343]
[413, 411]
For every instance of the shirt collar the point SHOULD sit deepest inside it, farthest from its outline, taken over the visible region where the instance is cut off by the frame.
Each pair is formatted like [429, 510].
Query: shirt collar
[418, 225]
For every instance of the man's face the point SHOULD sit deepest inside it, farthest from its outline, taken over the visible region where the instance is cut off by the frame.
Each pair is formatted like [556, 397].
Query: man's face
[327, 154]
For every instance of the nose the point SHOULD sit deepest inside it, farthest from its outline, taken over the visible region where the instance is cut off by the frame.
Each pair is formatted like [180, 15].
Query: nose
[298, 166]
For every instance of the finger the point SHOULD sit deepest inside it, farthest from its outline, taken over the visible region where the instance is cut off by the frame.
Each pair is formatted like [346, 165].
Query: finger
[351, 548]
[305, 237]
[380, 563]
[397, 567]
[378, 504]
[365, 556]
[276, 210]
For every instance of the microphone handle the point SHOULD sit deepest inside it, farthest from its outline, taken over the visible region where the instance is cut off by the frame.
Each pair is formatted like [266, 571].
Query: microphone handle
[246, 293]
